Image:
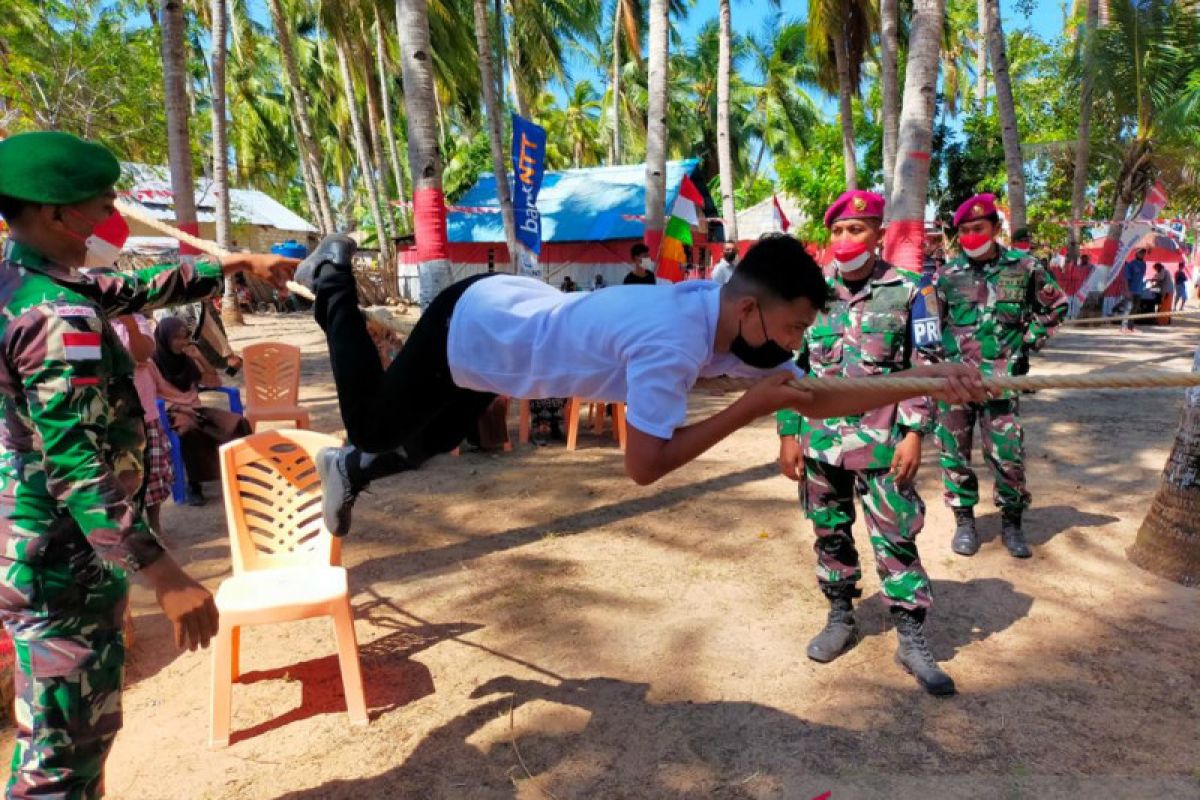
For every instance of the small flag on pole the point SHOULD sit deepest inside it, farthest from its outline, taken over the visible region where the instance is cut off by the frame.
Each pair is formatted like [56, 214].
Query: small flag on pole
[781, 221]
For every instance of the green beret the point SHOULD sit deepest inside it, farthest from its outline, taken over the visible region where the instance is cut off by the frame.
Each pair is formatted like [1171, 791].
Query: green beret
[55, 168]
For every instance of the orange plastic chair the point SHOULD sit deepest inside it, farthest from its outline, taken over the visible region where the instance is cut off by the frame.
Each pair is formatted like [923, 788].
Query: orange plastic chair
[273, 384]
[286, 564]
[596, 412]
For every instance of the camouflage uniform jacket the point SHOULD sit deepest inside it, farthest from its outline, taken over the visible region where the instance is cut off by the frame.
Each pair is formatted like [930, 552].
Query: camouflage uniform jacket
[890, 323]
[72, 419]
[998, 311]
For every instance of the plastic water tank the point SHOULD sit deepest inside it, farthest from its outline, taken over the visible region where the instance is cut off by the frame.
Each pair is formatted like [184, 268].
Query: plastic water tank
[291, 249]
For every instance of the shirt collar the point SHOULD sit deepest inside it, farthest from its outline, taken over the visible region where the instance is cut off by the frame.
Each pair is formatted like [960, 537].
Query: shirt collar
[24, 255]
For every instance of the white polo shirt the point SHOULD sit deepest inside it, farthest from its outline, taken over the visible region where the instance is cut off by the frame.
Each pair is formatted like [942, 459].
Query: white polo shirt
[643, 345]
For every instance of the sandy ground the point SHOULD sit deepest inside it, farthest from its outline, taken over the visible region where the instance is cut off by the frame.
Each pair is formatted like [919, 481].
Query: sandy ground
[534, 625]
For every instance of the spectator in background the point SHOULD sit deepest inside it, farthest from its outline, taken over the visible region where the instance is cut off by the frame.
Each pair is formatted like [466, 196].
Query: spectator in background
[179, 372]
[1181, 291]
[1135, 287]
[136, 333]
[723, 271]
[641, 273]
[567, 286]
[598, 283]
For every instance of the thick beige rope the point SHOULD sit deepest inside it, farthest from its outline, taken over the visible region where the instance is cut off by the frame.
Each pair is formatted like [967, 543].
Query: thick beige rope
[1115, 318]
[1093, 380]
[374, 315]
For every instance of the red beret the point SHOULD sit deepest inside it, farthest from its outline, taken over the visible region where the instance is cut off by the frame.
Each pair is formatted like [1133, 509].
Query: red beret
[978, 207]
[855, 205]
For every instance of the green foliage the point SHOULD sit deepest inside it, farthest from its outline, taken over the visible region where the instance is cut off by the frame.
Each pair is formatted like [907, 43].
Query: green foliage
[974, 163]
[751, 191]
[815, 177]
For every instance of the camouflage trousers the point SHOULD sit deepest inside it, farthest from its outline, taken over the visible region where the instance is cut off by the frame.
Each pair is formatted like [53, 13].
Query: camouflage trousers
[63, 610]
[1003, 443]
[894, 517]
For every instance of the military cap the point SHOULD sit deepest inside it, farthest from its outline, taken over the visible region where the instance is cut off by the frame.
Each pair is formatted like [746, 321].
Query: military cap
[55, 168]
[977, 207]
[855, 205]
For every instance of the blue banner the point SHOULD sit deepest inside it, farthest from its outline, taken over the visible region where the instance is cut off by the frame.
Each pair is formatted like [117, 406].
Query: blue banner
[529, 165]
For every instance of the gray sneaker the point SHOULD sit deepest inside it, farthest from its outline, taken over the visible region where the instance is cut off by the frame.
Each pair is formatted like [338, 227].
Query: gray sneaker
[335, 251]
[337, 492]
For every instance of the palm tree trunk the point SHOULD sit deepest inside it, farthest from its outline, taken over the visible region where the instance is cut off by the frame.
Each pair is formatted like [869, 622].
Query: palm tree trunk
[361, 149]
[724, 151]
[889, 18]
[179, 141]
[491, 105]
[424, 159]
[389, 126]
[841, 57]
[374, 128]
[981, 53]
[910, 184]
[298, 105]
[1013, 164]
[616, 84]
[656, 126]
[231, 312]
[1083, 137]
[1168, 543]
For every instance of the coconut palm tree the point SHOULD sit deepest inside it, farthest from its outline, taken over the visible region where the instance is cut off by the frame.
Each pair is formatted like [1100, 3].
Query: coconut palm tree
[839, 36]
[1085, 43]
[889, 45]
[424, 160]
[1013, 164]
[491, 103]
[981, 52]
[724, 153]
[179, 144]
[656, 124]
[906, 233]
[314, 171]
[784, 115]
[231, 312]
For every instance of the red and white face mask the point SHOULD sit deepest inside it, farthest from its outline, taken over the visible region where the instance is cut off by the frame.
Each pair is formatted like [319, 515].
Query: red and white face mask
[104, 243]
[975, 245]
[850, 256]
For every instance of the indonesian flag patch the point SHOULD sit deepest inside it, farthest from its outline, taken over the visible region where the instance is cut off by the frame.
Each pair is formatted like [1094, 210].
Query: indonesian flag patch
[82, 346]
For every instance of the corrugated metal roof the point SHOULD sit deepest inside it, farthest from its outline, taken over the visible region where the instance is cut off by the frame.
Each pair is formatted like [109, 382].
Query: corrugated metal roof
[150, 187]
[576, 205]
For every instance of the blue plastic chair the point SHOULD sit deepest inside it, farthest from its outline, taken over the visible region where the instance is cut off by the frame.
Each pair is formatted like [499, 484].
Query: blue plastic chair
[179, 486]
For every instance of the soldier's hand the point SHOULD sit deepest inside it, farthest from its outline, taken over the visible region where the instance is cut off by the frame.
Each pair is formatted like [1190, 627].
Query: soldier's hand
[774, 393]
[907, 459]
[791, 458]
[273, 269]
[186, 603]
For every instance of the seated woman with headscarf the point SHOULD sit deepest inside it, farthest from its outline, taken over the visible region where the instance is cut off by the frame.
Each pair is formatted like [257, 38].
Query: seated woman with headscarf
[179, 372]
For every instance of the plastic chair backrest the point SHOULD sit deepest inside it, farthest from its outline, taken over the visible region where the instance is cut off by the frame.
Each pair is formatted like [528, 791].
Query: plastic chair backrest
[272, 374]
[273, 501]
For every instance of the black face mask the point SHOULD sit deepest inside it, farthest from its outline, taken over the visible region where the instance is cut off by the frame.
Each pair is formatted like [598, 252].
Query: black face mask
[767, 355]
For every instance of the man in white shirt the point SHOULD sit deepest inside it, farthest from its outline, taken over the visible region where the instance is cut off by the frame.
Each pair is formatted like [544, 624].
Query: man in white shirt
[646, 346]
[723, 271]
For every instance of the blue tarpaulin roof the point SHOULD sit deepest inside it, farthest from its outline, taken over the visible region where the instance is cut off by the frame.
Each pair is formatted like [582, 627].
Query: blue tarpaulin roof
[577, 205]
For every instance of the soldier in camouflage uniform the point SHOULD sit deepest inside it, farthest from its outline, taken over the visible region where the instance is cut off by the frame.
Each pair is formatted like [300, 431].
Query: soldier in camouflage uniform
[1001, 305]
[69, 531]
[881, 319]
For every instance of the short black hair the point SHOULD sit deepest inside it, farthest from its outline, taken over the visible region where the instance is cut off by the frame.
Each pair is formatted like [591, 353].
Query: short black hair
[779, 266]
[11, 207]
[1141, 251]
[639, 249]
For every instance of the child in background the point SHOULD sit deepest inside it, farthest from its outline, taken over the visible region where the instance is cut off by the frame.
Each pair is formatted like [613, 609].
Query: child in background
[136, 332]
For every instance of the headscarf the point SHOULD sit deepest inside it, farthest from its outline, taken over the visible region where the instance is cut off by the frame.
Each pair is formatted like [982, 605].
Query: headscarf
[177, 368]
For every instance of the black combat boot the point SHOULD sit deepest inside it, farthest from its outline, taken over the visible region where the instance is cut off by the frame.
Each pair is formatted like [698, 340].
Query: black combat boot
[914, 655]
[840, 632]
[966, 538]
[1013, 536]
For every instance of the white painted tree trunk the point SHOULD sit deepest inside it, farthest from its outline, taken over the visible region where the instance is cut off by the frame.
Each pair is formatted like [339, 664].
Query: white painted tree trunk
[889, 17]
[179, 140]
[491, 106]
[389, 125]
[656, 125]
[616, 83]
[841, 57]
[724, 147]
[231, 312]
[1014, 165]
[1083, 137]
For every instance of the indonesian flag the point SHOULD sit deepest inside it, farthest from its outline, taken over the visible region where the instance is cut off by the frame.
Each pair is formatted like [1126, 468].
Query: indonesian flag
[782, 223]
[685, 214]
[81, 346]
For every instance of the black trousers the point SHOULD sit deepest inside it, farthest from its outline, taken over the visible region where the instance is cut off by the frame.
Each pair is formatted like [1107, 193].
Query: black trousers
[413, 403]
